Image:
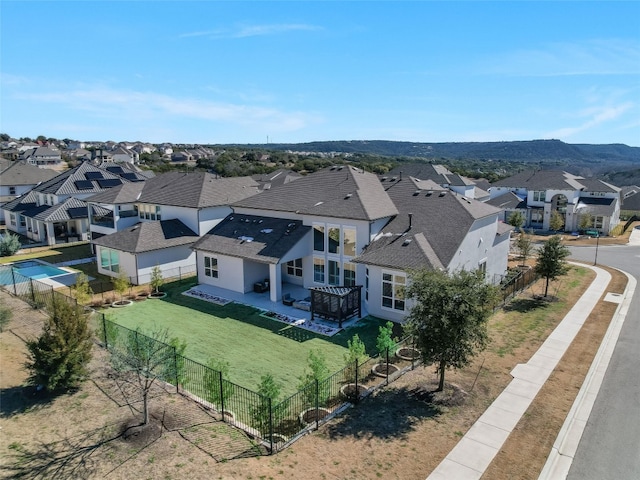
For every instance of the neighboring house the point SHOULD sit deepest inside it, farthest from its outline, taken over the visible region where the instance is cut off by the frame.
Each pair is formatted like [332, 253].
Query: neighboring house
[509, 203]
[343, 227]
[42, 157]
[275, 178]
[124, 155]
[548, 191]
[55, 211]
[630, 201]
[436, 173]
[18, 178]
[198, 201]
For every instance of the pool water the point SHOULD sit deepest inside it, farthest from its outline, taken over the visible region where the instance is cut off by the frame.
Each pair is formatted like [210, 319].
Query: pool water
[31, 269]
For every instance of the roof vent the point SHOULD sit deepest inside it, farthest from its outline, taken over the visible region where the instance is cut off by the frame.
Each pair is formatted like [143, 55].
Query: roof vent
[383, 179]
[417, 192]
[348, 195]
[429, 193]
[442, 194]
[393, 179]
[267, 230]
[340, 167]
[333, 168]
[406, 242]
[230, 218]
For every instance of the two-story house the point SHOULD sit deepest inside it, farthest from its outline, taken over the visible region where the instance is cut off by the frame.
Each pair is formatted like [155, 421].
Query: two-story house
[156, 222]
[42, 157]
[541, 193]
[55, 211]
[343, 227]
[18, 178]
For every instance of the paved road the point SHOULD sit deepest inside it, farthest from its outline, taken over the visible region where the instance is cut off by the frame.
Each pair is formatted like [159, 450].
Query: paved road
[610, 444]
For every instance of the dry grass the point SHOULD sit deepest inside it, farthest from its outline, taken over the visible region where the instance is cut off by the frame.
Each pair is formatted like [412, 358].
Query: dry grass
[399, 434]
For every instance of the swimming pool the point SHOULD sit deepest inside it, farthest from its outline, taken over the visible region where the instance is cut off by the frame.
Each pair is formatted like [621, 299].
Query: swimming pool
[29, 268]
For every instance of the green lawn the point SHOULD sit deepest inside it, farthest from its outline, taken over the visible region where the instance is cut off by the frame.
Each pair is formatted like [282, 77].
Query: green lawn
[252, 344]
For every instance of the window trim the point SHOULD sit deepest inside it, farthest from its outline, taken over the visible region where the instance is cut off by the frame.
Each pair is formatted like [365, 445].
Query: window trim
[397, 298]
[213, 269]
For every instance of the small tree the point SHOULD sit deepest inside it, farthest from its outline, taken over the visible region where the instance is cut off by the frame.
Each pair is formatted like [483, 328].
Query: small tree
[449, 317]
[215, 392]
[157, 279]
[58, 358]
[556, 223]
[145, 359]
[5, 316]
[585, 222]
[9, 244]
[551, 260]
[385, 341]
[356, 355]
[121, 284]
[317, 371]
[524, 245]
[269, 391]
[83, 289]
[516, 219]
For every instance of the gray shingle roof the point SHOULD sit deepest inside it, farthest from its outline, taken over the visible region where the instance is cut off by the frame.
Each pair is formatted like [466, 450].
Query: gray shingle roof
[22, 173]
[149, 236]
[125, 193]
[196, 190]
[66, 182]
[431, 235]
[426, 171]
[508, 201]
[262, 239]
[597, 206]
[70, 208]
[554, 180]
[338, 192]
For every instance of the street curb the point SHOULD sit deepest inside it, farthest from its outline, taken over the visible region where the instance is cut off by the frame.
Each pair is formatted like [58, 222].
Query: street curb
[566, 444]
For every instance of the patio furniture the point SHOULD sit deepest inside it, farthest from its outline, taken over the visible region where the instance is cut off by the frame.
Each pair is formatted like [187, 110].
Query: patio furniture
[261, 287]
[303, 304]
[288, 300]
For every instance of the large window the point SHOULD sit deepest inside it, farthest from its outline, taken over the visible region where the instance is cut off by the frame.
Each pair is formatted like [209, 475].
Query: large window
[294, 267]
[318, 238]
[536, 216]
[110, 260]
[598, 221]
[12, 219]
[334, 240]
[539, 195]
[211, 267]
[393, 287]
[349, 239]
[349, 274]
[12, 190]
[149, 212]
[318, 270]
[334, 272]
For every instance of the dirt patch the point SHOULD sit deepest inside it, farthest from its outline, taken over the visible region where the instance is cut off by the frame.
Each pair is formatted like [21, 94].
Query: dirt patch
[400, 432]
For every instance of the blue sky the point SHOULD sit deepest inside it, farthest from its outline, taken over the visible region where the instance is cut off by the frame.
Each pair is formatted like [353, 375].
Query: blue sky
[298, 71]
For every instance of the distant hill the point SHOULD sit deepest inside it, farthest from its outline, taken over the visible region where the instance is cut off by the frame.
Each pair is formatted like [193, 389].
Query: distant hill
[582, 159]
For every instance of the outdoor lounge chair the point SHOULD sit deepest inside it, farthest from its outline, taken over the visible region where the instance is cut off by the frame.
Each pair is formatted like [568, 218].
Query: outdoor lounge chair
[288, 300]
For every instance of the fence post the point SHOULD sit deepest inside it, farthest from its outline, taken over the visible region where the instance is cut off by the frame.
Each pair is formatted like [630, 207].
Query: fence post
[221, 394]
[13, 277]
[271, 425]
[357, 398]
[317, 403]
[33, 292]
[175, 365]
[387, 378]
[104, 329]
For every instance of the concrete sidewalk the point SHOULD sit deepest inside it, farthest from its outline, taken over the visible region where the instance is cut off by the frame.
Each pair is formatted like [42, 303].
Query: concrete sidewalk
[476, 450]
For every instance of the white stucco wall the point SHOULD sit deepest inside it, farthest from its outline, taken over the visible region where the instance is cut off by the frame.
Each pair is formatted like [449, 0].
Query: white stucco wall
[173, 262]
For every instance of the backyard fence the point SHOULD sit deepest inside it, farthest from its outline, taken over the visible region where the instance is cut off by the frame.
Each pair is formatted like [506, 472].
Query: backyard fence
[274, 423]
[35, 293]
[517, 281]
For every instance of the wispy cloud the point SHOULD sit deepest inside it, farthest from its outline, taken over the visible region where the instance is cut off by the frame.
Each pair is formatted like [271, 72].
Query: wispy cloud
[592, 117]
[593, 57]
[244, 31]
[105, 102]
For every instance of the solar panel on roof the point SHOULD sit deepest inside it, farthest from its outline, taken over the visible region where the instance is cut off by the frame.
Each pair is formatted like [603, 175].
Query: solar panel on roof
[78, 212]
[109, 182]
[115, 169]
[93, 175]
[83, 184]
[130, 176]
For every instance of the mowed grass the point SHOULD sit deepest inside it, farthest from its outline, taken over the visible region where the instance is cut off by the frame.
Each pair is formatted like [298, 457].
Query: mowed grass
[252, 344]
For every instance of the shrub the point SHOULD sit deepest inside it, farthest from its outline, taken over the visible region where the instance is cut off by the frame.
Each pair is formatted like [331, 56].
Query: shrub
[214, 392]
[9, 244]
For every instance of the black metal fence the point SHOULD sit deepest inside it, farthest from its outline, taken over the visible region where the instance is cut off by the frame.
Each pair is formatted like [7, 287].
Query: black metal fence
[275, 423]
[35, 293]
[517, 281]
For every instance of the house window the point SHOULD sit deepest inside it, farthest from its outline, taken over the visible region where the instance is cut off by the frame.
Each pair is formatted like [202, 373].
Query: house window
[598, 221]
[149, 212]
[294, 267]
[366, 284]
[318, 238]
[334, 272]
[349, 239]
[349, 274]
[334, 240]
[393, 291]
[318, 270]
[482, 268]
[539, 196]
[536, 216]
[110, 260]
[12, 219]
[12, 190]
[211, 267]
[23, 221]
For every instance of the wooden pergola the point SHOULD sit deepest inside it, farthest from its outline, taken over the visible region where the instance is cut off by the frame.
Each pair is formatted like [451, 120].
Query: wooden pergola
[335, 303]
